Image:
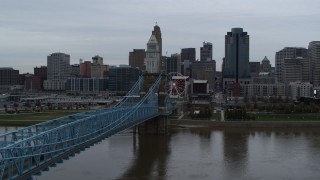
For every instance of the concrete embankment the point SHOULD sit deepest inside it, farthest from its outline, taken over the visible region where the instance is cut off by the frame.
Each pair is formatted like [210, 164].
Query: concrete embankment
[246, 124]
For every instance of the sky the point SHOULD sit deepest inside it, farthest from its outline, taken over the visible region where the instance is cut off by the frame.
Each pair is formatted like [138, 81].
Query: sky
[30, 30]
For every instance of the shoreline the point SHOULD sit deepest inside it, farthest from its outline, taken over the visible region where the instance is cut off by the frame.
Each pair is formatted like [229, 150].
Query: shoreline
[245, 124]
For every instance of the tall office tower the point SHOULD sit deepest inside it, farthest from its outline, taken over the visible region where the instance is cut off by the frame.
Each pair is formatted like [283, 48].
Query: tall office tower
[206, 52]
[173, 63]
[314, 59]
[287, 52]
[265, 65]
[121, 79]
[136, 58]
[157, 32]
[97, 60]
[236, 63]
[8, 77]
[204, 70]
[188, 54]
[291, 70]
[153, 55]
[58, 71]
[58, 66]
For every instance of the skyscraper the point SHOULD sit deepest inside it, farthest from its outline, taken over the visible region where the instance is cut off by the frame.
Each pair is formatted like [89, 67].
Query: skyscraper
[287, 52]
[314, 59]
[206, 52]
[157, 33]
[236, 64]
[58, 66]
[58, 70]
[173, 63]
[136, 58]
[188, 54]
[153, 55]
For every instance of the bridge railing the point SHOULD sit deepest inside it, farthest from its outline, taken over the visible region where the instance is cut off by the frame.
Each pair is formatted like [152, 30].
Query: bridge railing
[132, 95]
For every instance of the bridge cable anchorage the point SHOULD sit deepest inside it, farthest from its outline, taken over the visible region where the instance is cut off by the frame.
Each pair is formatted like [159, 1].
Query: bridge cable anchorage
[28, 150]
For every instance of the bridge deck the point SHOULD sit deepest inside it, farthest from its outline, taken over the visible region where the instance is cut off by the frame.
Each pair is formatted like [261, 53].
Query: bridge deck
[30, 149]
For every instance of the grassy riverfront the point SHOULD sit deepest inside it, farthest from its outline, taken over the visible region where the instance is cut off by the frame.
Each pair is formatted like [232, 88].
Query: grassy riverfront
[27, 119]
[287, 117]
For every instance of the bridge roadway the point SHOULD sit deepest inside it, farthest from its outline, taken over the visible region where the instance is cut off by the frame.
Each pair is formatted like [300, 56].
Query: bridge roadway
[27, 151]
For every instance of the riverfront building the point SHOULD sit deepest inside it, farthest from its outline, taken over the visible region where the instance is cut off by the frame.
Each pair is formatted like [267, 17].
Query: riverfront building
[87, 85]
[300, 89]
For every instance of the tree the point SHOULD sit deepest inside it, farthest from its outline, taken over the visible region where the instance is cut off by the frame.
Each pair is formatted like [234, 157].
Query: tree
[5, 107]
[246, 99]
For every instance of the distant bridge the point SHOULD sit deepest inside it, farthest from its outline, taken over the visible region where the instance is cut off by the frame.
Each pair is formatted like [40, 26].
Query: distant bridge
[30, 150]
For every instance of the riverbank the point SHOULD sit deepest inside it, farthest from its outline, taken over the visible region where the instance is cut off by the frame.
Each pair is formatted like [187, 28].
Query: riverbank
[245, 124]
[27, 119]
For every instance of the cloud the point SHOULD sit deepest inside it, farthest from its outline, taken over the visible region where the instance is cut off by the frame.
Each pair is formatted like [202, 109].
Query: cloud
[31, 30]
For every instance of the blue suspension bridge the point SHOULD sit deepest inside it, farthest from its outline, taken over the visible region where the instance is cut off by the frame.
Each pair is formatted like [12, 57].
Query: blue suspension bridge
[30, 150]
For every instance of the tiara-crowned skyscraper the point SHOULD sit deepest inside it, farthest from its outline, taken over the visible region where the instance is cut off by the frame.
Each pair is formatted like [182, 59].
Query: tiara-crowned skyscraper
[153, 53]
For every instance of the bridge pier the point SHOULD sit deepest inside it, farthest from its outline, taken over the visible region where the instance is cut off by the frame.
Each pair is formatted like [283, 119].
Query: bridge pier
[157, 125]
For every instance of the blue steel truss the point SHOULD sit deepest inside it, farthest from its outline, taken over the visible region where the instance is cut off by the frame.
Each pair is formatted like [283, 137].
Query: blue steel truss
[35, 147]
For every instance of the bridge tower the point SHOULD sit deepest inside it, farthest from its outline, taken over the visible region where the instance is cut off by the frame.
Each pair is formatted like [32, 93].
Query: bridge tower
[159, 124]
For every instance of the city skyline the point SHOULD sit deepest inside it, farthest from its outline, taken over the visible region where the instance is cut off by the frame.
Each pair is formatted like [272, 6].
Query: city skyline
[32, 30]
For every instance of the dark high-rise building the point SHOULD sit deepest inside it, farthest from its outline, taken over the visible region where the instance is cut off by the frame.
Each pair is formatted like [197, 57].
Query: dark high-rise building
[9, 76]
[40, 72]
[188, 54]
[136, 58]
[206, 52]
[288, 52]
[173, 63]
[236, 64]
[157, 32]
[236, 68]
[121, 79]
[314, 59]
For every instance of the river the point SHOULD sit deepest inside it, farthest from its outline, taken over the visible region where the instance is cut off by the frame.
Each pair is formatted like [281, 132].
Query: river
[198, 153]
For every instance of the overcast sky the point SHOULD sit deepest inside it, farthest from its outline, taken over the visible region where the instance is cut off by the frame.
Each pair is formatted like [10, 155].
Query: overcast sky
[30, 30]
